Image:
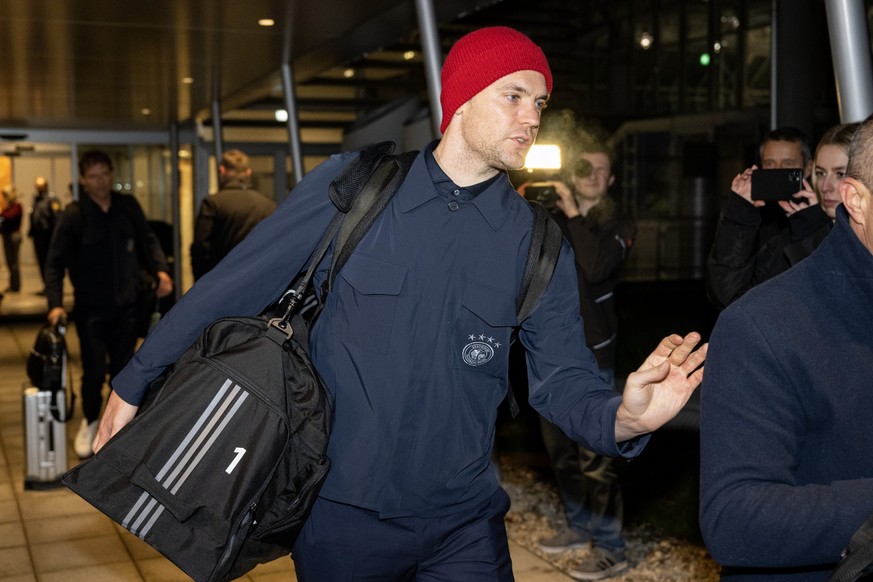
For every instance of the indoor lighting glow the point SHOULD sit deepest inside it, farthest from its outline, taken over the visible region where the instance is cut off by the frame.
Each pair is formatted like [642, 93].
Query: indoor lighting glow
[266, 22]
[349, 73]
[646, 41]
[409, 55]
[281, 115]
[188, 80]
[543, 157]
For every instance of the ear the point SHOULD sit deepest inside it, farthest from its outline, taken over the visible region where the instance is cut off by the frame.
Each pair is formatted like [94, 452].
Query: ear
[855, 197]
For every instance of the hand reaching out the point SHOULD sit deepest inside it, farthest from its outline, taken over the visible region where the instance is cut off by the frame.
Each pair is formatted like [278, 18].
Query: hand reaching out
[661, 386]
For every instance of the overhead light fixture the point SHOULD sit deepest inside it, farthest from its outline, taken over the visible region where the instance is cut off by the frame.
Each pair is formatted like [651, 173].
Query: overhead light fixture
[646, 41]
[281, 115]
[543, 157]
[349, 73]
[266, 22]
[188, 80]
[146, 111]
[716, 48]
[408, 55]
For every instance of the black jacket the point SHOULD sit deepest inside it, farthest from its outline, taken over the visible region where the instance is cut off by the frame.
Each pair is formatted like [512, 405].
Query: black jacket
[225, 219]
[600, 243]
[104, 253]
[755, 244]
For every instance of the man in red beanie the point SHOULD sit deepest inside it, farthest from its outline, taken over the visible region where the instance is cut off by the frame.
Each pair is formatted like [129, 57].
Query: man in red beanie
[412, 493]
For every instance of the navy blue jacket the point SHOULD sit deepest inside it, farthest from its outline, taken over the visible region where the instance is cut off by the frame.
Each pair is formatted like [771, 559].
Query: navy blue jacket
[414, 338]
[786, 405]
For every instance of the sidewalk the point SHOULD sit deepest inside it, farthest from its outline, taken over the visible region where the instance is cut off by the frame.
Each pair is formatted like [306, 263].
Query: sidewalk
[55, 536]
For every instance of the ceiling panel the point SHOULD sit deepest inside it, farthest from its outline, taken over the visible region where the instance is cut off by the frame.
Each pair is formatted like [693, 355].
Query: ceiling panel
[121, 63]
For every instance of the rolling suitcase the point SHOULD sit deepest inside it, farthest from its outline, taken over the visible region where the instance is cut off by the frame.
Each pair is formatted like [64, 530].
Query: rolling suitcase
[45, 411]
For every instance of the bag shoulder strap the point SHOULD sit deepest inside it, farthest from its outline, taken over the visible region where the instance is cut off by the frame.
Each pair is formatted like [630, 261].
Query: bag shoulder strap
[383, 182]
[361, 192]
[857, 562]
[542, 257]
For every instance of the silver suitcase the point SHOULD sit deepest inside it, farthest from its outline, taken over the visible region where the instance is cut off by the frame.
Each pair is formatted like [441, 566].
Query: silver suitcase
[45, 442]
[46, 412]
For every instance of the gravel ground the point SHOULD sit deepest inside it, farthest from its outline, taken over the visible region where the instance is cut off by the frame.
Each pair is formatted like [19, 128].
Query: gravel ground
[654, 556]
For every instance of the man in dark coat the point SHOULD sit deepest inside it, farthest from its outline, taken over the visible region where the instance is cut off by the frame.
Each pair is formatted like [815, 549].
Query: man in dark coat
[785, 447]
[755, 241]
[43, 217]
[105, 243]
[226, 217]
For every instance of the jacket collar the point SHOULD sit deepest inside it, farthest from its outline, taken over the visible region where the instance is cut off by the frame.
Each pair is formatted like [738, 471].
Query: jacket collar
[493, 203]
[852, 259]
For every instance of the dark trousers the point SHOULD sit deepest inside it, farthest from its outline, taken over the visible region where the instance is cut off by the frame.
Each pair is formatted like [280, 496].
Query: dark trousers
[103, 336]
[588, 485]
[11, 245]
[41, 247]
[343, 543]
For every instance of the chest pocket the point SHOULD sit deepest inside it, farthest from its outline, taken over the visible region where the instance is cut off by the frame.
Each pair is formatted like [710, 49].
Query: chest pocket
[479, 341]
[366, 303]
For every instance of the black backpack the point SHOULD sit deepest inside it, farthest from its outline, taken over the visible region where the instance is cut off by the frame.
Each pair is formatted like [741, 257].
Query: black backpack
[219, 472]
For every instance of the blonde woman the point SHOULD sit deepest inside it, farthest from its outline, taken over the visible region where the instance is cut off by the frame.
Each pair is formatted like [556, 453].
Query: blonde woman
[831, 159]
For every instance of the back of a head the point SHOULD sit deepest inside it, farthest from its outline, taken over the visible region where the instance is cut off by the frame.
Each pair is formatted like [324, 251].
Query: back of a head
[10, 193]
[789, 134]
[861, 154]
[235, 160]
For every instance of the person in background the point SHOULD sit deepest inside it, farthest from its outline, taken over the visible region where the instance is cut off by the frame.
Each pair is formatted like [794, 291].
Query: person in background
[587, 481]
[754, 240]
[43, 217]
[229, 215]
[413, 339]
[10, 229]
[785, 445]
[829, 168]
[103, 240]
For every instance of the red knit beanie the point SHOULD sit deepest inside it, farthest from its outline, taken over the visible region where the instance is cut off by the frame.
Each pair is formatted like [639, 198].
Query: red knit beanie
[480, 58]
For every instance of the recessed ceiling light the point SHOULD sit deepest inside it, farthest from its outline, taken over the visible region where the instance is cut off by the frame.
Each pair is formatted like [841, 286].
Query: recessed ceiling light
[349, 73]
[266, 22]
[281, 115]
[409, 55]
[188, 80]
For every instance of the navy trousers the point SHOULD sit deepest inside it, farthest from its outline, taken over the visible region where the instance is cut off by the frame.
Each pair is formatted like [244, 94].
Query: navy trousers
[346, 543]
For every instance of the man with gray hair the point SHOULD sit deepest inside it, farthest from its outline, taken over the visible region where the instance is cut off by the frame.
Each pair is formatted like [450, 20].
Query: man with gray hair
[785, 441]
[229, 215]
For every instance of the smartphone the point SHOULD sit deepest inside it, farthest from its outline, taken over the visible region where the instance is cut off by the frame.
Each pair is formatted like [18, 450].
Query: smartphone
[778, 184]
[542, 192]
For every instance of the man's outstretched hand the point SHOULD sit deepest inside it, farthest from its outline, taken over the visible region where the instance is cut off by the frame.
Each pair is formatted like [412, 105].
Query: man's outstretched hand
[661, 386]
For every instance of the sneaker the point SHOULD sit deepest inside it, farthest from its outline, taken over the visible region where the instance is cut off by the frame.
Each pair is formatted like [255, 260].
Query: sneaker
[564, 541]
[599, 564]
[84, 439]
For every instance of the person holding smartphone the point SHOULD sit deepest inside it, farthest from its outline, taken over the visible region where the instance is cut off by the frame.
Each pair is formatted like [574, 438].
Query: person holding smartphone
[755, 239]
